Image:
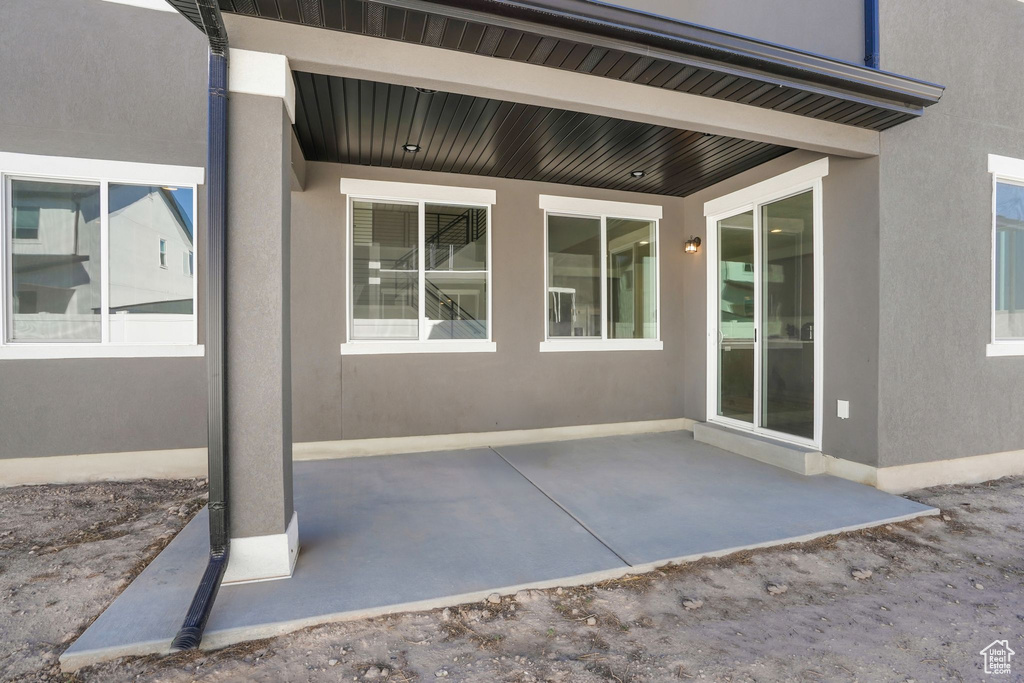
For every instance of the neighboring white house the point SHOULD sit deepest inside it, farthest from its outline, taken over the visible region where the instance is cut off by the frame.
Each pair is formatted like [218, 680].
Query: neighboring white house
[58, 270]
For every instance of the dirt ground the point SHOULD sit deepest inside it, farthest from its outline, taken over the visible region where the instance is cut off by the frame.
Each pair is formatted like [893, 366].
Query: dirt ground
[940, 589]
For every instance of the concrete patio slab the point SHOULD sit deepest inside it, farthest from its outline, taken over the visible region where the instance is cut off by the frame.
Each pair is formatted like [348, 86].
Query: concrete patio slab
[658, 497]
[420, 531]
[377, 535]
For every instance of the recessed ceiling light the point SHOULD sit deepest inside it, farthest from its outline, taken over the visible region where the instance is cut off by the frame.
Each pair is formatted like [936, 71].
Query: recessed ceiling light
[638, 174]
[410, 147]
[426, 91]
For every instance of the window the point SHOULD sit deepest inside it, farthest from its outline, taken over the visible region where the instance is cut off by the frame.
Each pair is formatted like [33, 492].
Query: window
[188, 264]
[26, 222]
[1008, 257]
[78, 266]
[601, 275]
[419, 268]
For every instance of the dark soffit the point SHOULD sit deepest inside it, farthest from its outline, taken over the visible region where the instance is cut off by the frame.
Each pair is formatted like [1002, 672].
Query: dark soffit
[351, 121]
[613, 42]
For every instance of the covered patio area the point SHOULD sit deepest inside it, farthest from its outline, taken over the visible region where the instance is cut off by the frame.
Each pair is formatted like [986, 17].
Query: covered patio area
[421, 531]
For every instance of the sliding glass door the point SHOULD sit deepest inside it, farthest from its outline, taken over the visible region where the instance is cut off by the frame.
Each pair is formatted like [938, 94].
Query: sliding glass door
[766, 306]
[736, 323]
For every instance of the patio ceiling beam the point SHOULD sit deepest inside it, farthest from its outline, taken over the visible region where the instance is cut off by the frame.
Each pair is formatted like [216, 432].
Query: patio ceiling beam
[373, 59]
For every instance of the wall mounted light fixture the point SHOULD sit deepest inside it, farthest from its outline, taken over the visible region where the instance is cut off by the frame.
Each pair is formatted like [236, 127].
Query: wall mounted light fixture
[691, 245]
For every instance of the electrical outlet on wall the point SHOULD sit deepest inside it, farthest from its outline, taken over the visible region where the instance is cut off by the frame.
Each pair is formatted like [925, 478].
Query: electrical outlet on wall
[843, 409]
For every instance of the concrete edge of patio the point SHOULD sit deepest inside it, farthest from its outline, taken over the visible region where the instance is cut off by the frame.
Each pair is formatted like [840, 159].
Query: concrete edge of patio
[214, 640]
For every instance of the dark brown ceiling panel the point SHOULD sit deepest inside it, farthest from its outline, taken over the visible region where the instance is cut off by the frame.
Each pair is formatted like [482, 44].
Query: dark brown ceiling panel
[366, 123]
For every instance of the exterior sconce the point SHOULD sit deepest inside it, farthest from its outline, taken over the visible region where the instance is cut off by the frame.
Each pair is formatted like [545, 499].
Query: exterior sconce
[691, 245]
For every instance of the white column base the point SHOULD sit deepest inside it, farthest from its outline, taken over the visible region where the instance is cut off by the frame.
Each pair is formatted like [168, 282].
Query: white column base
[264, 558]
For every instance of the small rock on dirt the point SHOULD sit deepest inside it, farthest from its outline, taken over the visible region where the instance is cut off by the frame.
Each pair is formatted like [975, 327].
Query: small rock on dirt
[777, 588]
[979, 586]
[494, 599]
[446, 614]
[591, 621]
[693, 603]
[371, 673]
[441, 673]
[861, 574]
[332, 662]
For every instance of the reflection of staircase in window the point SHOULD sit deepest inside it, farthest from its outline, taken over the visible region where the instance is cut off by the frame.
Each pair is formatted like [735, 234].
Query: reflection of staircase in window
[448, 234]
[438, 306]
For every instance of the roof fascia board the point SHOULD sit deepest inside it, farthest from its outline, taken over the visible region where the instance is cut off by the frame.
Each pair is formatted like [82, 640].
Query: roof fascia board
[357, 56]
[637, 32]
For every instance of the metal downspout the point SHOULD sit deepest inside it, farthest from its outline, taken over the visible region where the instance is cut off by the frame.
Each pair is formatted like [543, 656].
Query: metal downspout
[191, 632]
[872, 58]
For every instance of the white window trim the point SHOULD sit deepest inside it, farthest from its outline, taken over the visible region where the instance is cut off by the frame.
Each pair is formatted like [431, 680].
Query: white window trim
[799, 180]
[1008, 170]
[99, 350]
[368, 347]
[559, 345]
[102, 172]
[599, 207]
[356, 189]
[602, 210]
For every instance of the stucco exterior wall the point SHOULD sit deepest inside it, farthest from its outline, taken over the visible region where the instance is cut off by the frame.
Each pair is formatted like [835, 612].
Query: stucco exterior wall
[850, 328]
[516, 387]
[940, 396]
[102, 81]
[834, 28]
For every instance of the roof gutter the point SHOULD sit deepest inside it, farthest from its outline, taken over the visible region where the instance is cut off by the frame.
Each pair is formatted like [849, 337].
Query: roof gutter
[653, 32]
[205, 15]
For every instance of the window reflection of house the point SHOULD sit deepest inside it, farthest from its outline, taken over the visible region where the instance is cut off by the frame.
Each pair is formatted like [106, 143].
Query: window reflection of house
[1009, 294]
[57, 268]
[56, 261]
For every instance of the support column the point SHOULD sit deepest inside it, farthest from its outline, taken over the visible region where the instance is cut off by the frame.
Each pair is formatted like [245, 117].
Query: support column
[264, 526]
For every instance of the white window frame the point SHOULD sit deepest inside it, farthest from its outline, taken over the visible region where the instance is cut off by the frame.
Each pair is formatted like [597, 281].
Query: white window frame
[1009, 171]
[102, 172]
[421, 195]
[161, 252]
[602, 210]
[752, 198]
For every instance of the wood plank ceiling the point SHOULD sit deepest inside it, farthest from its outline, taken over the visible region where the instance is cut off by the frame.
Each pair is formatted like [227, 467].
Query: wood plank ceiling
[363, 122]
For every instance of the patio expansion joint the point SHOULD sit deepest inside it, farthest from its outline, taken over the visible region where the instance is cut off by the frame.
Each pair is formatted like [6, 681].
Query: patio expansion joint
[562, 508]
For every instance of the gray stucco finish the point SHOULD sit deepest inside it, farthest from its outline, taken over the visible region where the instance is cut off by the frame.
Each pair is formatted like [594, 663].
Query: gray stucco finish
[518, 387]
[850, 327]
[834, 28]
[940, 396]
[259, 409]
[103, 81]
[907, 258]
